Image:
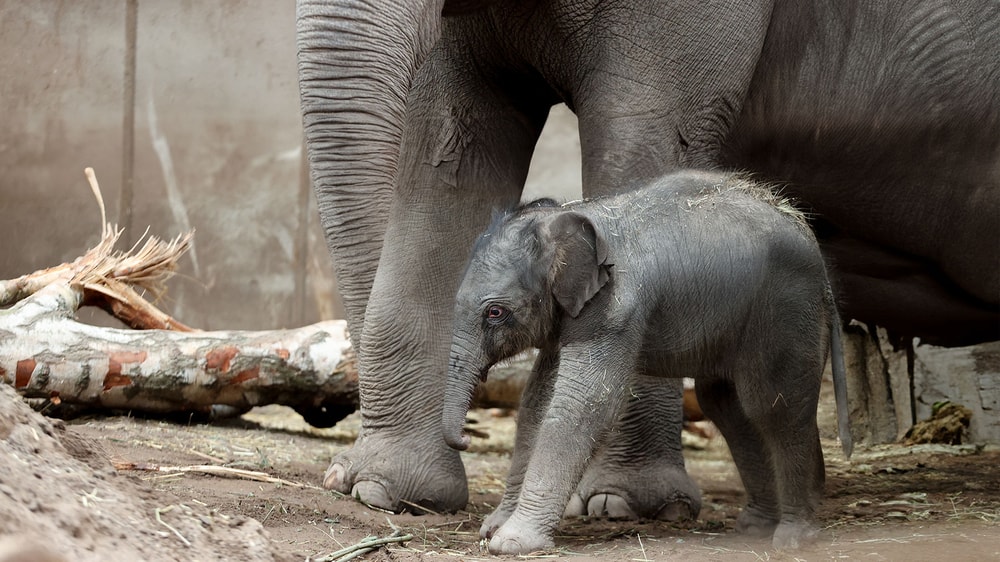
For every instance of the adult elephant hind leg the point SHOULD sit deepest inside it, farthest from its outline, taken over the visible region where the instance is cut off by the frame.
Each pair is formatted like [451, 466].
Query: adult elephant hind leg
[465, 151]
[640, 472]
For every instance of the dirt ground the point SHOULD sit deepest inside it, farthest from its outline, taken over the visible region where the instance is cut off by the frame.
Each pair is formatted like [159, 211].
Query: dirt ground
[61, 496]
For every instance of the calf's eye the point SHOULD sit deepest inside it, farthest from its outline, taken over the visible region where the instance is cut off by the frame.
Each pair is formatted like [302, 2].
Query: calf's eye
[496, 313]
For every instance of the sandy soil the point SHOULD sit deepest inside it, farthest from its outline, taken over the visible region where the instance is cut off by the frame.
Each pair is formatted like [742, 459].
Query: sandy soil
[60, 494]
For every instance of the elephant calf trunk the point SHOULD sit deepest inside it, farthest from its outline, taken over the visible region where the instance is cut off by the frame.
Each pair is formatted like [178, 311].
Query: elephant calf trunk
[454, 424]
[457, 440]
[462, 383]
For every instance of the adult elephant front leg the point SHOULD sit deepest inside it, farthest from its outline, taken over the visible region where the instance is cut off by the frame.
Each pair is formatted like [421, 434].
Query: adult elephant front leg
[353, 120]
[459, 126]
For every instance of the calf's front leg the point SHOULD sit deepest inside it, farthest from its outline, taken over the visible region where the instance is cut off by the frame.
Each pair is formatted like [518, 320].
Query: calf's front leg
[534, 403]
[588, 392]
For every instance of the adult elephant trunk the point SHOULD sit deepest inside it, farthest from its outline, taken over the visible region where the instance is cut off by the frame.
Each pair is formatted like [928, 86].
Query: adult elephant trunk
[356, 62]
[463, 378]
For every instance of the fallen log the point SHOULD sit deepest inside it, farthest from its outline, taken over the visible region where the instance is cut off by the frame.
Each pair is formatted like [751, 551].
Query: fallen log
[45, 353]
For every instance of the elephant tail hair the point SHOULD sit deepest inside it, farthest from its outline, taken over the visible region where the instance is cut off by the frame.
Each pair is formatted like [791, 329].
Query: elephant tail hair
[839, 376]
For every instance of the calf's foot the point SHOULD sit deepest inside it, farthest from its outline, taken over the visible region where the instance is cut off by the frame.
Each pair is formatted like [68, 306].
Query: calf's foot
[518, 537]
[756, 522]
[496, 519]
[400, 474]
[790, 535]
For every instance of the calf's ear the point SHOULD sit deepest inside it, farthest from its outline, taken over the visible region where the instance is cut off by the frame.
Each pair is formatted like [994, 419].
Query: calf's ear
[580, 255]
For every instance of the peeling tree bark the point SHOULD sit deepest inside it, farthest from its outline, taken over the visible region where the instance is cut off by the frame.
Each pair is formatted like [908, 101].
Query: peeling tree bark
[44, 353]
[879, 384]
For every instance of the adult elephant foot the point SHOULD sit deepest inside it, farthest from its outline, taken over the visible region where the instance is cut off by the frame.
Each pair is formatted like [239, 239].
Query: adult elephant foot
[655, 489]
[639, 473]
[397, 475]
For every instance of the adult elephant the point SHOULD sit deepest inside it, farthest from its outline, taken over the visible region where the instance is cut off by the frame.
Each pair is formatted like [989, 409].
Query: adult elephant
[882, 116]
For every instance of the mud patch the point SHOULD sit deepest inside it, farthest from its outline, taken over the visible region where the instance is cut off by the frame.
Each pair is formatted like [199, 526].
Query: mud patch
[61, 499]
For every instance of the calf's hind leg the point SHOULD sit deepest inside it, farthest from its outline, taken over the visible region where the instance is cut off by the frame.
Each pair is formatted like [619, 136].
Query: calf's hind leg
[718, 399]
[782, 406]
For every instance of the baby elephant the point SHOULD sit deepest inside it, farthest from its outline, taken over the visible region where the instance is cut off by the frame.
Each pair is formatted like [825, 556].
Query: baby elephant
[703, 275]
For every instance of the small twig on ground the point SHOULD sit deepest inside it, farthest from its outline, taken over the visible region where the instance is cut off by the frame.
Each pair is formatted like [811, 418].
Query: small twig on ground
[419, 507]
[160, 520]
[370, 506]
[269, 512]
[364, 547]
[207, 456]
[212, 470]
[85, 498]
[642, 548]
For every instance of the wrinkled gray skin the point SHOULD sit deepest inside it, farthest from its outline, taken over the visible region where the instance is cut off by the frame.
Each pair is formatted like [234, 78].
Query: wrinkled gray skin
[881, 115]
[701, 275]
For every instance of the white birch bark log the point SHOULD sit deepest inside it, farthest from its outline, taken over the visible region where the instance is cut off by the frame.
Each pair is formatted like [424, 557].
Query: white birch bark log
[45, 353]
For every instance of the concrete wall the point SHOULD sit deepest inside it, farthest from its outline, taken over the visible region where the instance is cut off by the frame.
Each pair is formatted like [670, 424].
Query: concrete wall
[969, 376]
[202, 132]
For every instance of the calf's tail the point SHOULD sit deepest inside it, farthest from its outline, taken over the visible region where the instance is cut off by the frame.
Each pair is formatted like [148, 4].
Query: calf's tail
[839, 375]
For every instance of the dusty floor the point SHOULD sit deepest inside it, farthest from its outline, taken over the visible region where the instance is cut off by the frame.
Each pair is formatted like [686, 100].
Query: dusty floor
[58, 491]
